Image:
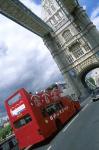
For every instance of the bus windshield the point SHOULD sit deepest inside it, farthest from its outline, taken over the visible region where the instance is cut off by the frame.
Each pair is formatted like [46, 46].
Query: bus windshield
[23, 121]
[14, 99]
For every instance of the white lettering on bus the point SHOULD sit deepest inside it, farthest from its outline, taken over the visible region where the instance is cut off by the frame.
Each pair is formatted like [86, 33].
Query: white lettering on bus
[54, 116]
[51, 117]
[17, 110]
[57, 114]
[60, 111]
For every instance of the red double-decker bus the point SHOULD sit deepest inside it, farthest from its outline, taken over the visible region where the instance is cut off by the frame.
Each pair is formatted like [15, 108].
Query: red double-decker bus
[35, 117]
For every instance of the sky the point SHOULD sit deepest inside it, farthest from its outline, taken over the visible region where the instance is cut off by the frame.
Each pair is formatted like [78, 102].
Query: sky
[24, 62]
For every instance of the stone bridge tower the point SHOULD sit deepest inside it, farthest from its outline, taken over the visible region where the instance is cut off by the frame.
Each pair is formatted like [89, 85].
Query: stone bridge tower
[74, 44]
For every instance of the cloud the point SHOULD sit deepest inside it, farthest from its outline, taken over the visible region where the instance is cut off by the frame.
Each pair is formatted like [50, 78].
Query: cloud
[23, 53]
[3, 48]
[84, 7]
[33, 6]
[24, 60]
[95, 17]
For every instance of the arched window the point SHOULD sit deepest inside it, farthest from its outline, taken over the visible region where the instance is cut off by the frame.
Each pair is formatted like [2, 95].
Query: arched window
[58, 16]
[67, 35]
[70, 59]
[53, 20]
[76, 50]
[87, 47]
[61, 14]
[53, 8]
[49, 12]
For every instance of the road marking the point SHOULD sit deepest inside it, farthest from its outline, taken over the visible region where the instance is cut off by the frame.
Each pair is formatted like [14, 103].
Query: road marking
[85, 107]
[88, 99]
[75, 118]
[70, 122]
[49, 147]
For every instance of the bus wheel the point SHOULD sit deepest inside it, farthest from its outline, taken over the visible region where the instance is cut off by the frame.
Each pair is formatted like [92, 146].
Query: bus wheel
[58, 124]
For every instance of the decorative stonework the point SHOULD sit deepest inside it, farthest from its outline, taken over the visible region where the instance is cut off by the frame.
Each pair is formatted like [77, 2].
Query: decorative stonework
[73, 42]
[90, 61]
[49, 7]
[74, 35]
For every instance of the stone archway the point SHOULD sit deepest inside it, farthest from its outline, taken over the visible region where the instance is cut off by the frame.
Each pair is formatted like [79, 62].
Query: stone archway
[86, 71]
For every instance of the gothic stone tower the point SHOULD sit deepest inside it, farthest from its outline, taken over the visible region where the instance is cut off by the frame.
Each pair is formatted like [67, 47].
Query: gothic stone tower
[74, 43]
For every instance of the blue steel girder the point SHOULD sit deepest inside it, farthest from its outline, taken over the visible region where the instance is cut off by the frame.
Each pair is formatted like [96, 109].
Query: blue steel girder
[20, 14]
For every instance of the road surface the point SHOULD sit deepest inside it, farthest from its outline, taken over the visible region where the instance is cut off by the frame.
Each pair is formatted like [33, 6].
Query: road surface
[81, 133]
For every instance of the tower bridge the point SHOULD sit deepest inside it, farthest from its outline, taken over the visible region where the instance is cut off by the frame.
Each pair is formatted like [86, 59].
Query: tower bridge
[16, 11]
[69, 34]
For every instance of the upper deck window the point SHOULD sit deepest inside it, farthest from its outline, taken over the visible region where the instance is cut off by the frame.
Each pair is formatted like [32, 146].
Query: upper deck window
[14, 99]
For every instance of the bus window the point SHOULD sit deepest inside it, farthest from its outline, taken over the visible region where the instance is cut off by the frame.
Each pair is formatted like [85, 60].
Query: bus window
[1, 148]
[63, 86]
[11, 144]
[58, 106]
[14, 99]
[44, 112]
[14, 141]
[61, 105]
[51, 109]
[23, 121]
